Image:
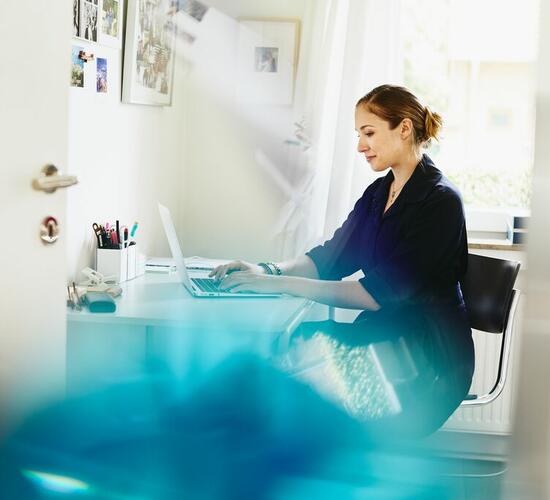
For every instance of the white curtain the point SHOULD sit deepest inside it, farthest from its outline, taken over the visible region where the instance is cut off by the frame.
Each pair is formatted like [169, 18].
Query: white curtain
[354, 47]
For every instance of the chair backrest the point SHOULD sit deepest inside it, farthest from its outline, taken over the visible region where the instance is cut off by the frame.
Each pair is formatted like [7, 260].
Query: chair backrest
[488, 288]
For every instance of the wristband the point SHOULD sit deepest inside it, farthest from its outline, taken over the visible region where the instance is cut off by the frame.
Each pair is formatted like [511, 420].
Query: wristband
[276, 268]
[265, 267]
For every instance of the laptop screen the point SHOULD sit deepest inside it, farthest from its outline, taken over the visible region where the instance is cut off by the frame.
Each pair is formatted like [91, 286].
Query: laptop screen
[175, 247]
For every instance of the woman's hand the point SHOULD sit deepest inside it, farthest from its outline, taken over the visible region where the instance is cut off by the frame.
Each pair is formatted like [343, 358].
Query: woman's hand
[247, 281]
[220, 272]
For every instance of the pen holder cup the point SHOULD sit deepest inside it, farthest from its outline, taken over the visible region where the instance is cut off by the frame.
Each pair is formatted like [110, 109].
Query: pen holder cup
[123, 263]
[113, 262]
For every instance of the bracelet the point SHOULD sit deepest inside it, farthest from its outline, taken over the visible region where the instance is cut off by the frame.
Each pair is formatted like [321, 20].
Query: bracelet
[276, 268]
[265, 267]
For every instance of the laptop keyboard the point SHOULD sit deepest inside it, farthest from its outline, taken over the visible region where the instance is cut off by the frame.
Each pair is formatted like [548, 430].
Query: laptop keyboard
[207, 285]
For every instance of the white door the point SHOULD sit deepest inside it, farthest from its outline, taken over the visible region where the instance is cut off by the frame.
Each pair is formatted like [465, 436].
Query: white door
[34, 78]
[528, 477]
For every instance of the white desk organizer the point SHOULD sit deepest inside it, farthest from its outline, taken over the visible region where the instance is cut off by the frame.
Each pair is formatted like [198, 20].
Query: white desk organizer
[124, 263]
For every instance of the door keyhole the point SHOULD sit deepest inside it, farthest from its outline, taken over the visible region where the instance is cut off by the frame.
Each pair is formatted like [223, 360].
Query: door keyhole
[49, 230]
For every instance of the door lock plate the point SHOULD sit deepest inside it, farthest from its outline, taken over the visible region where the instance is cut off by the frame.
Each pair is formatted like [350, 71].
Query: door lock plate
[49, 230]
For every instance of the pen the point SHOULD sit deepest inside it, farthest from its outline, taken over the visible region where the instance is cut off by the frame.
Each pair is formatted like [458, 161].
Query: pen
[117, 232]
[125, 237]
[134, 229]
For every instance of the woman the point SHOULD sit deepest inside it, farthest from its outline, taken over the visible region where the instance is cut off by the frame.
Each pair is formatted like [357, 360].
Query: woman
[407, 234]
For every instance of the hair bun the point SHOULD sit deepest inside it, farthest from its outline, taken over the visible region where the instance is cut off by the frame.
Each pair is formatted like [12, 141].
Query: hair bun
[432, 125]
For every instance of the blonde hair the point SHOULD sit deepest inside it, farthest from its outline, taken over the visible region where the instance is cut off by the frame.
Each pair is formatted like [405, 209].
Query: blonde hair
[393, 104]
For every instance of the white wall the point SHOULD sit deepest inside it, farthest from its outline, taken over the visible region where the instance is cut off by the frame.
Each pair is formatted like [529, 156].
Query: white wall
[126, 157]
[230, 204]
[196, 156]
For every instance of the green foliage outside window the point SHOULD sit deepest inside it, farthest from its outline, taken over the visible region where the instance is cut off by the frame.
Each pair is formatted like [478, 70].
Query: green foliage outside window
[487, 190]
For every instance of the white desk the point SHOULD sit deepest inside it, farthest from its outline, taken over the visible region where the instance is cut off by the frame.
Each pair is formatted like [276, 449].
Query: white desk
[158, 322]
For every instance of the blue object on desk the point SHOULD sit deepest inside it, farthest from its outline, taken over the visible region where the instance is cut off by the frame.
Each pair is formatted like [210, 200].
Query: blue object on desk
[99, 302]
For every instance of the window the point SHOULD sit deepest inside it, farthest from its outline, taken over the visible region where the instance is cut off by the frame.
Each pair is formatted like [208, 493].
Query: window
[474, 62]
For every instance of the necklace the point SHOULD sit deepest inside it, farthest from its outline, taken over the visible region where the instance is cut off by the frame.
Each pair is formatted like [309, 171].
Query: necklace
[394, 192]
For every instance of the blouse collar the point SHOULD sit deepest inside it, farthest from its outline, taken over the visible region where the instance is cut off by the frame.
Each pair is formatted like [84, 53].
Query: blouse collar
[424, 178]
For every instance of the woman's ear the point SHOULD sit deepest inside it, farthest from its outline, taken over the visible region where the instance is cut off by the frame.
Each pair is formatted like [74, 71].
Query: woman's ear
[406, 128]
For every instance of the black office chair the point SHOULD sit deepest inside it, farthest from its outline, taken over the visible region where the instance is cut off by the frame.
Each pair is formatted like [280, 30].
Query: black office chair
[491, 300]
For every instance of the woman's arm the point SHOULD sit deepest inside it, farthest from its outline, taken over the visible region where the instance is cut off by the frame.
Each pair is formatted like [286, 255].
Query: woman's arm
[301, 266]
[345, 294]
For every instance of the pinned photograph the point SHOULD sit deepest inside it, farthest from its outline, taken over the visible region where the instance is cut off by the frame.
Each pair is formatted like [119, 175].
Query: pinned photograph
[110, 24]
[88, 20]
[109, 17]
[193, 8]
[101, 75]
[77, 68]
[76, 17]
[266, 59]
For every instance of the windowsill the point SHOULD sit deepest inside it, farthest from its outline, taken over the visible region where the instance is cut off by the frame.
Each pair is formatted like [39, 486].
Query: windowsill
[495, 244]
[494, 229]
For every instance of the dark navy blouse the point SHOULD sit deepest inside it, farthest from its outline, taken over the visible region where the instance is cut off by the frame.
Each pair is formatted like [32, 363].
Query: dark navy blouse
[415, 253]
[413, 257]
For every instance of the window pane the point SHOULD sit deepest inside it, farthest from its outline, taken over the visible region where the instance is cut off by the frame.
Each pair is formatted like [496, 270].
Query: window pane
[473, 61]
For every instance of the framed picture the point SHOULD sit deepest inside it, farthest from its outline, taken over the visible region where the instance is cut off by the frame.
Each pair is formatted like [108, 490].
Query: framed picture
[149, 53]
[88, 19]
[111, 22]
[268, 58]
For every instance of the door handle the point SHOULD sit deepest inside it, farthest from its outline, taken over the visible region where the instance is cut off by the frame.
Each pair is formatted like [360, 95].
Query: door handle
[51, 180]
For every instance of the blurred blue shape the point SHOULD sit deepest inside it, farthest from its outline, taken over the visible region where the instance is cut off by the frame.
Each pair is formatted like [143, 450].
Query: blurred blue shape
[245, 431]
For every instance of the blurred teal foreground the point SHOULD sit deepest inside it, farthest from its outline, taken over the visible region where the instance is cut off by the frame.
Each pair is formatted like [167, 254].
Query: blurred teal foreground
[244, 430]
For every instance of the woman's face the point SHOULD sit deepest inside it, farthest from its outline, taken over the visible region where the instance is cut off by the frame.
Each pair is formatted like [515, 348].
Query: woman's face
[381, 146]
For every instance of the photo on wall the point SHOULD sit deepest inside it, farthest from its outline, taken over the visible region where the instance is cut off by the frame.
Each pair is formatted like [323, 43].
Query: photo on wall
[77, 68]
[149, 53]
[88, 20]
[101, 81]
[267, 59]
[110, 23]
[76, 18]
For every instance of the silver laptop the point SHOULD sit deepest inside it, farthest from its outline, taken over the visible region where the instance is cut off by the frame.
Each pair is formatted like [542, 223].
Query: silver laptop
[198, 284]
